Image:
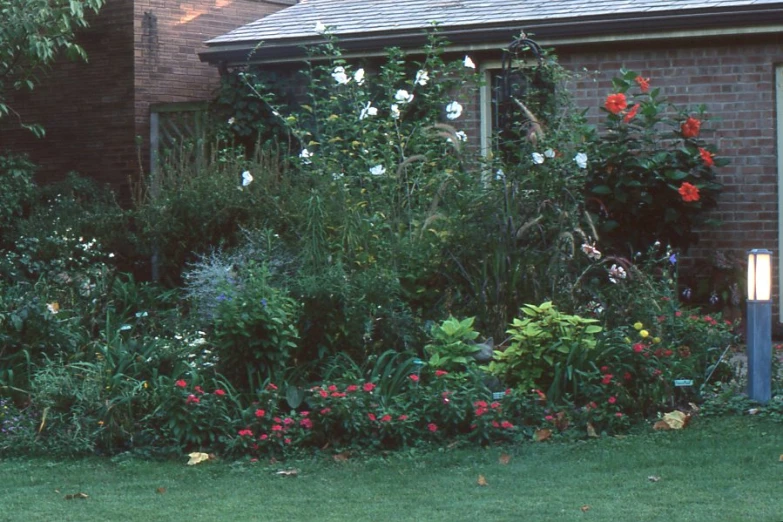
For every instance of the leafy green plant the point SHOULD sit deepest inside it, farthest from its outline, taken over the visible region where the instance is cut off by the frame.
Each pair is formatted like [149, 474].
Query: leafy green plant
[451, 346]
[542, 348]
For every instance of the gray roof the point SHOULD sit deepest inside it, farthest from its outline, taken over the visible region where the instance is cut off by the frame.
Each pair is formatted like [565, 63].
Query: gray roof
[364, 26]
[368, 16]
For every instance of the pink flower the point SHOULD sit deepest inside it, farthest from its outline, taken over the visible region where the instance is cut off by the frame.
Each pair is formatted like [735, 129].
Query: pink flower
[440, 373]
[607, 378]
[306, 423]
[549, 418]
[371, 416]
[271, 387]
[612, 400]
[245, 433]
[638, 347]
[495, 424]
[323, 393]
[432, 427]
[413, 377]
[352, 388]
[627, 376]
[506, 425]
[338, 394]
[277, 420]
[402, 417]
[277, 427]
[264, 436]
[287, 440]
[618, 414]
[220, 393]
[386, 418]
[192, 399]
[181, 384]
[260, 413]
[325, 411]
[495, 405]
[332, 388]
[368, 387]
[199, 390]
[288, 421]
[304, 413]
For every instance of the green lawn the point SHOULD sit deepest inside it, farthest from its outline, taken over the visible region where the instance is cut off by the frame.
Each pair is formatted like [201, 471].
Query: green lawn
[720, 470]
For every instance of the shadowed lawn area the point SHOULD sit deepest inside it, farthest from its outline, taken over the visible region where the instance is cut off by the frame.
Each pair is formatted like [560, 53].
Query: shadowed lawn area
[716, 470]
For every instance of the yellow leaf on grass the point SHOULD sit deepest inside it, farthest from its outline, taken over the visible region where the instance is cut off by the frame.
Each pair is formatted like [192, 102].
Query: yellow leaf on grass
[543, 434]
[160, 491]
[591, 430]
[661, 425]
[676, 420]
[653, 478]
[342, 457]
[77, 496]
[288, 472]
[482, 480]
[781, 458]
[585, 508]
[197, 458]
[504, 459]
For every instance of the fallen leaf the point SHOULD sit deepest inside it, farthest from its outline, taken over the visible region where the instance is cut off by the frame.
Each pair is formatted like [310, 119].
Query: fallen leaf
[197, 458]
[591, 430]
[58, 491]
[653, 478]
[661, 425]
[273, 461]
[694, 407]
[288, 472]
[504, 459]
[676, 419]
[585, 508]
[76, 496]
[753, 411]
[160, 491]
[543, 434]
[342, 457]
[482, 481]
[781, 458]
[453, 444]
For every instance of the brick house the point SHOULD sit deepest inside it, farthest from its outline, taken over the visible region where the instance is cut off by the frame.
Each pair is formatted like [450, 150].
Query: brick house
[727, 54]
[141, 53]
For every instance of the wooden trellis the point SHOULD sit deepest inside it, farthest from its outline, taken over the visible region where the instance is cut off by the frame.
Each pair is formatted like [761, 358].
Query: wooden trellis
[175, 127]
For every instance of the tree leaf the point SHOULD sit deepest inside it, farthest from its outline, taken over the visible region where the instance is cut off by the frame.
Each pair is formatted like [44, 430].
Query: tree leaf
[482, 480]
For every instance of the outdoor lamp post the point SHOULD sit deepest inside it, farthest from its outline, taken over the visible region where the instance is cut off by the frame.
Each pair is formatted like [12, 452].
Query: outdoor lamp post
[759, 333]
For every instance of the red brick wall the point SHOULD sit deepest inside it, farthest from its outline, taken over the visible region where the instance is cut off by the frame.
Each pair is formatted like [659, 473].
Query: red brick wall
[735, 79]
[168, 36]
[86, 108]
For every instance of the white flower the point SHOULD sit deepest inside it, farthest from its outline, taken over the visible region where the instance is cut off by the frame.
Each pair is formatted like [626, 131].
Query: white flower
[469, 63]
[320, 28]
[500, 175]
[231, 120]
[402, 96]
[336, 176]
[358, 76]
[247, 178]
[549, 153]
[538, 159]
[306, 155]
[395, 111]
[378, 170]
[581, 160]
[422, 77]
[368, 110]
[616, 273]
[453, 110]
[461, 136]
[339, 75]
[53, 307]
[591, 251]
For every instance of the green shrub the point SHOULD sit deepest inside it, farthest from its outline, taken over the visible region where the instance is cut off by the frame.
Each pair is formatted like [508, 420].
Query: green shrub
[451, 346]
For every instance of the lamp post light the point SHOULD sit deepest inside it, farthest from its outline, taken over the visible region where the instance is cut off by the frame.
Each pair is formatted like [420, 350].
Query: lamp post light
[759, 333]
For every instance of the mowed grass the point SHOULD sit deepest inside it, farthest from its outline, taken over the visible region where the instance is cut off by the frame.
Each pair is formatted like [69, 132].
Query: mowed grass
[717, 470]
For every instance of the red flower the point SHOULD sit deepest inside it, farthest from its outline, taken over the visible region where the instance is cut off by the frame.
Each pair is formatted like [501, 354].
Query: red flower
[667, 353]
[199, 389]
[495, 424]
[689, 192]
[677, 313]
[323, 393]
[616, 103]
[304, 413]
[643, 83]
[386, 418]
[371, 416]
[192, 399]
[604, 369]
[618, 414]
[638, 347]
[480, 404]
[607, 378]
[612, 400]
[352, 388]
[332, 388]
[264, 436]
[326, 411]
[593, 405]
[245, 433]
[287, 440]
[402, 417]
[541, 395]
[368, 387]
[271, 387]
[495, 405]
[277, 427]
[691, 127]
[627, 376]
[480, 411]
[219, 392]
[181, 384]
[413, 377]
[277, 420]
[706, 157]
[631, 114]
[506, 425]
[549, 418]
[432, 427]
[306, 423]
[508, 391]
[440, 373]
[288, 421]
[260, 413]
[338, 394]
